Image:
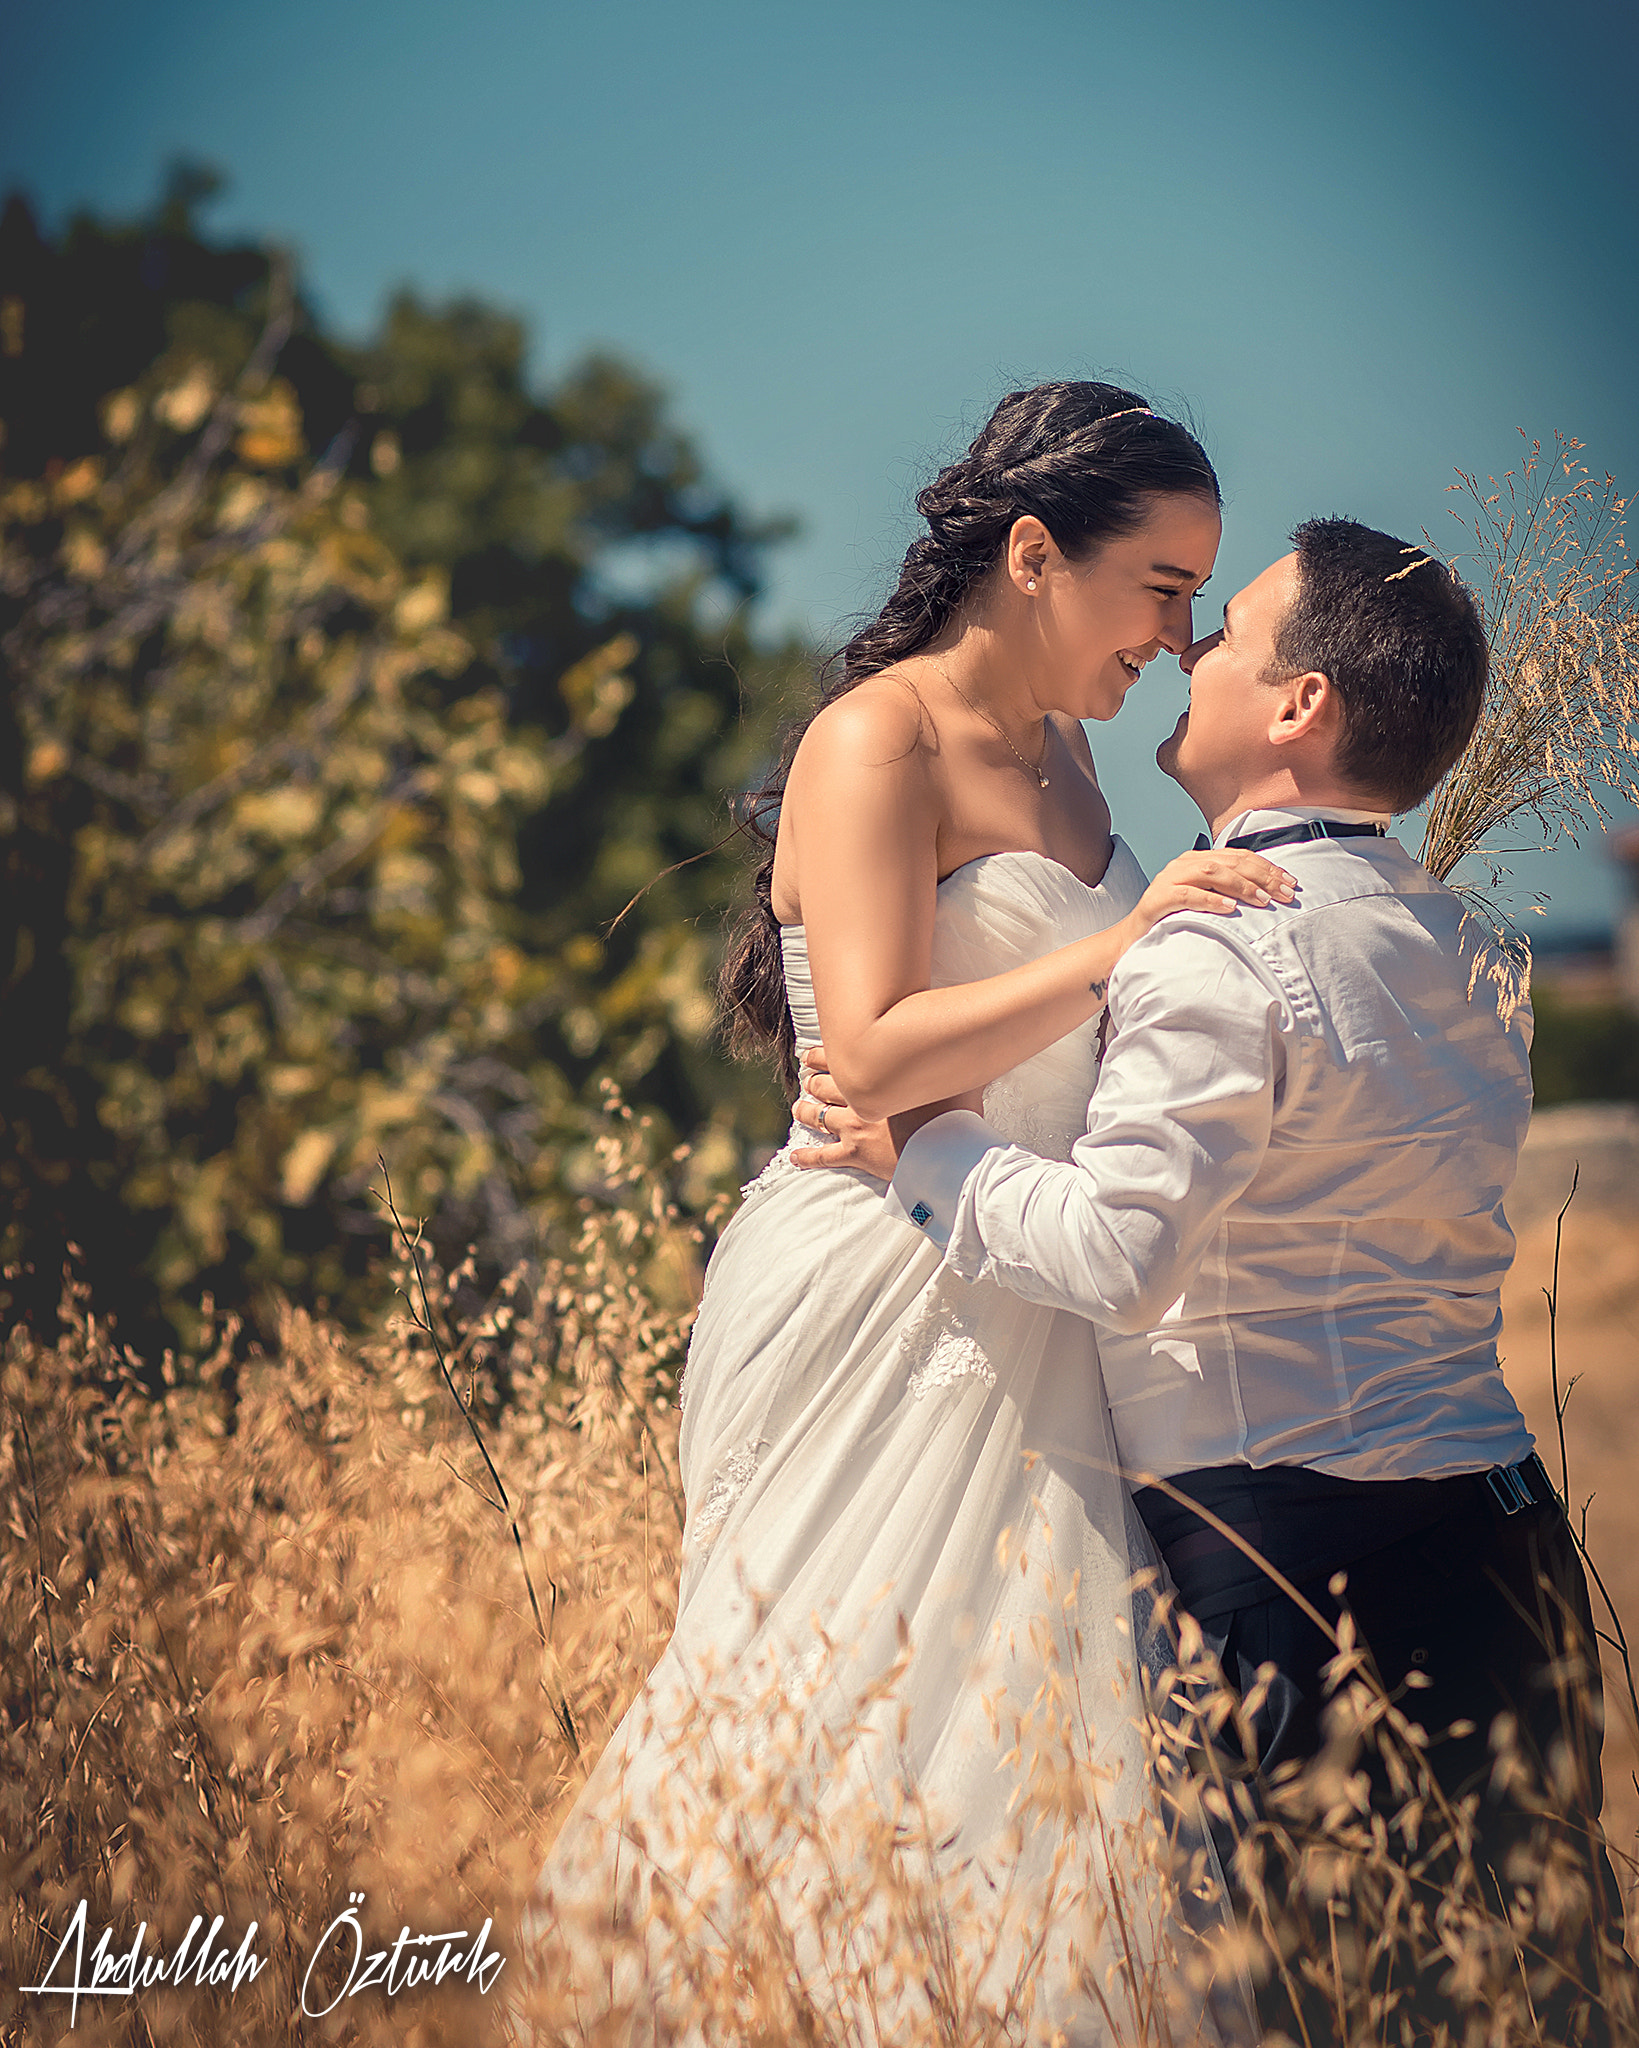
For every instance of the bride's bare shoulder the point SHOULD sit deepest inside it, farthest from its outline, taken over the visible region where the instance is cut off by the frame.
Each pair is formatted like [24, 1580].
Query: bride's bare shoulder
[881, 724]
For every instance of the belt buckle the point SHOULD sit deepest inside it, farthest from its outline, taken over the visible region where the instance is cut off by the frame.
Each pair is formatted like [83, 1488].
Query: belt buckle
[1510, 1484]
[1510, 1490]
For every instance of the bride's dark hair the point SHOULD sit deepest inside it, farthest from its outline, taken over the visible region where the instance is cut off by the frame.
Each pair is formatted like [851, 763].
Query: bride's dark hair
[1086, 459]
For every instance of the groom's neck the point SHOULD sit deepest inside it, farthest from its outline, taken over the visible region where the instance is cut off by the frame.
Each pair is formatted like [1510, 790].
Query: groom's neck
[1287, 793]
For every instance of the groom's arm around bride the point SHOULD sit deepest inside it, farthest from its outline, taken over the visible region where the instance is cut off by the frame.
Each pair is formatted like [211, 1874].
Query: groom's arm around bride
[1285, 1219]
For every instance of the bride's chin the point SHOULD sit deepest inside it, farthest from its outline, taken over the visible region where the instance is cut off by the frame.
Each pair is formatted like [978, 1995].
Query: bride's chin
[1104, 700]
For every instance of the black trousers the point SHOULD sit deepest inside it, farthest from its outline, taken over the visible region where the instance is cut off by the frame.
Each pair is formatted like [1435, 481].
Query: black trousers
[1492, 1609]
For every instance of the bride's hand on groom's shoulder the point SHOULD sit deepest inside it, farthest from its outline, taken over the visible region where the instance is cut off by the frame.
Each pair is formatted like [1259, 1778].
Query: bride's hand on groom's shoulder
[1219, 880]
[845, 1139]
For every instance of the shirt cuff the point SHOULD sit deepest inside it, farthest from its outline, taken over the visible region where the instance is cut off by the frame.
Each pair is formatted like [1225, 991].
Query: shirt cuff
[934, 1164]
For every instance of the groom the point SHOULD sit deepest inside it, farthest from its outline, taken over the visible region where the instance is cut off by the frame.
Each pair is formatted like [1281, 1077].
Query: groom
[1285, 1220]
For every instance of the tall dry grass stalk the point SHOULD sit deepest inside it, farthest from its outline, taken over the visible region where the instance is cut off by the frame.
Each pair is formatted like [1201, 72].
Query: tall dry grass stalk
[1558, 739]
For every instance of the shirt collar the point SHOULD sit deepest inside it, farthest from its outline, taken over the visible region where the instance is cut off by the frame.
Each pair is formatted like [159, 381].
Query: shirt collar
[1264, 820]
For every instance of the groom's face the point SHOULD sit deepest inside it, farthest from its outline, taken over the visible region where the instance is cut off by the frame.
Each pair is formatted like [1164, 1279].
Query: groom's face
[1225, 731]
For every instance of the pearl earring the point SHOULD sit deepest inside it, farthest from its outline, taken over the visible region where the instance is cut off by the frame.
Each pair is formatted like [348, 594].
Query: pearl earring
[1031, 584]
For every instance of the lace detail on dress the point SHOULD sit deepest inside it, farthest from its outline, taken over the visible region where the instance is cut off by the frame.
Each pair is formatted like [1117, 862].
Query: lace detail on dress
[795, 1693]
[940, 1347]
[1015, 1108]
[779, 1168]
[728, 1482]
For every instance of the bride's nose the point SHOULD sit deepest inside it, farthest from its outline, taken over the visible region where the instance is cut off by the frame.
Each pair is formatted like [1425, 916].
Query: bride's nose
[1177, 624]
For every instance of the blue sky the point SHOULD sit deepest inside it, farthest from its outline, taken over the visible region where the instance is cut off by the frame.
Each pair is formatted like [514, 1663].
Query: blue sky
[1360, 246]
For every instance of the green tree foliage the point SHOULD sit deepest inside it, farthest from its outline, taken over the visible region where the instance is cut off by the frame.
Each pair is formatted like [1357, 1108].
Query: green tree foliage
[349, 696]
[554, 520]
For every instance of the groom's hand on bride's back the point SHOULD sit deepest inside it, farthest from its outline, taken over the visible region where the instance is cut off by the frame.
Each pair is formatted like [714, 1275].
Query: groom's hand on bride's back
[843, 1139]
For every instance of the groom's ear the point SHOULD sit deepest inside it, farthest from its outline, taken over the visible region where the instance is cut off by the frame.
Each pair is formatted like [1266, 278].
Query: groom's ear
[1304, 705]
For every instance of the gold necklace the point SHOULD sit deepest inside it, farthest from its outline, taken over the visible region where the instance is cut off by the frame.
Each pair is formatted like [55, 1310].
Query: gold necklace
[980, 712]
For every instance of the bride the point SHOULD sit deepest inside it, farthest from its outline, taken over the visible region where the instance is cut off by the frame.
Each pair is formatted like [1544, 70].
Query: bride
[902, 1507]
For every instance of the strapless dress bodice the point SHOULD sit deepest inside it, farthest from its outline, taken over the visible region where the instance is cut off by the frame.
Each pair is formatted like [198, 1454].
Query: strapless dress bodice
[991, 914]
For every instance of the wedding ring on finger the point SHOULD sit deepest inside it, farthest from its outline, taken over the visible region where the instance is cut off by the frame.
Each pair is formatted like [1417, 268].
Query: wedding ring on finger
[824, 1126]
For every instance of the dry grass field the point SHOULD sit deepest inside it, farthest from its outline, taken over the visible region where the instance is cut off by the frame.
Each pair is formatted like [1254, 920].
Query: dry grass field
[1598, 1339]
[270, 1647]
[268, 1643]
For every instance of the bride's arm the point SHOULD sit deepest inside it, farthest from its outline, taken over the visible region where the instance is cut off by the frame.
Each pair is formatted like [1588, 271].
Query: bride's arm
[860, 828]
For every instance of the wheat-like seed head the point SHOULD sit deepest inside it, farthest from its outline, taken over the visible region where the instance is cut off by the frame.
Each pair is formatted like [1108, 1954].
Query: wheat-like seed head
[1558, 738]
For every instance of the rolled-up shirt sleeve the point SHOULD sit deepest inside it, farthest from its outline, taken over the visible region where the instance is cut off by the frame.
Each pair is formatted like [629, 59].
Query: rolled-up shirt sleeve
[1178, 1125]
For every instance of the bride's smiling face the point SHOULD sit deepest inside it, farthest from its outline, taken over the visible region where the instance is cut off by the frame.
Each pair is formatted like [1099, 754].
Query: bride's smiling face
[1097, 622]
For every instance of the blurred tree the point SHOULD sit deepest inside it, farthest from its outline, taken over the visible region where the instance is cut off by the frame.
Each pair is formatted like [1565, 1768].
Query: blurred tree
[604, 582]
[1583, 1052]
[348, 696]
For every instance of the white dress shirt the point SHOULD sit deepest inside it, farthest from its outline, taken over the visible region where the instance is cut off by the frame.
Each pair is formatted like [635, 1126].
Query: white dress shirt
[1285, 1218]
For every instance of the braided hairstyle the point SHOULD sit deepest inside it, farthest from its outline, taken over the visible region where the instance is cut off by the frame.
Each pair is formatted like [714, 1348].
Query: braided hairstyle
[1086, 459]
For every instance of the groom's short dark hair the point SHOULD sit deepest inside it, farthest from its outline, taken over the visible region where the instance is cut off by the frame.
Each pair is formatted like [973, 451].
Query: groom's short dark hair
[1403, 645]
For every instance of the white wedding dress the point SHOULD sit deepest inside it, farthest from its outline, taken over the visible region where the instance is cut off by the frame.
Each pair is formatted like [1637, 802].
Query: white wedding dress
[884, 1463]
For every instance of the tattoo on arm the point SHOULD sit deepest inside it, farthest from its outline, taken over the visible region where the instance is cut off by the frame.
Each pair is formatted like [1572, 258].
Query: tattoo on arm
[1099, 989]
